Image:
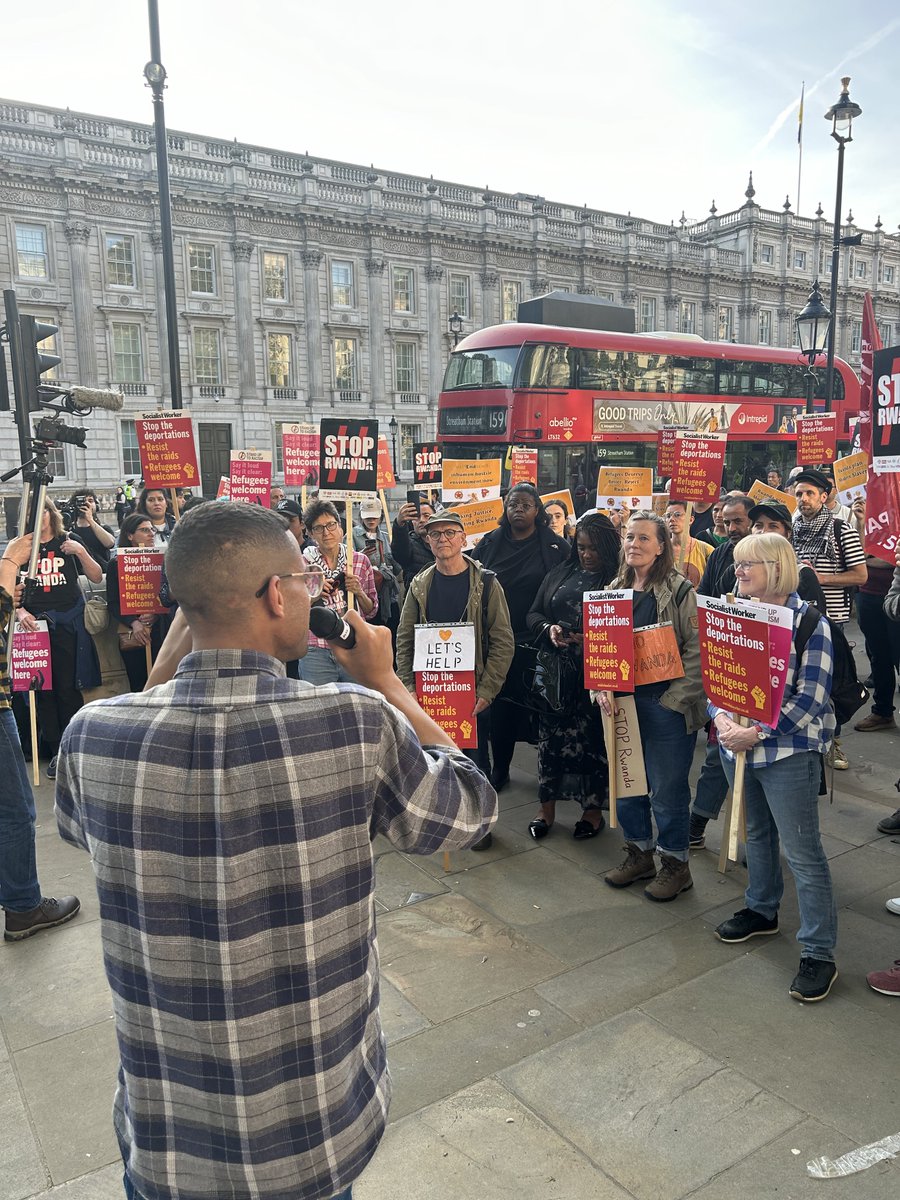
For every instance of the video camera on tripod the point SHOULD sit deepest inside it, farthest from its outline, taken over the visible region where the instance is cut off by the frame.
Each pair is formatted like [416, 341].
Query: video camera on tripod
[24, 335]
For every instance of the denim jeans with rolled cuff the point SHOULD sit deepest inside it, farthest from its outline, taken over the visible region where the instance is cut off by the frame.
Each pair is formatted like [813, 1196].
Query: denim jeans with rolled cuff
[19, 887]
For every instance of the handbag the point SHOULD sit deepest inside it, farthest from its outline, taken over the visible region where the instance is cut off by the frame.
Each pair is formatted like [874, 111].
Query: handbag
[543, 679]
[96, 613]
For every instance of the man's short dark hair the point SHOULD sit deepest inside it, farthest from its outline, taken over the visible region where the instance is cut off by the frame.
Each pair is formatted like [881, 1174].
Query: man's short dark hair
[745, 501]
[220, 553]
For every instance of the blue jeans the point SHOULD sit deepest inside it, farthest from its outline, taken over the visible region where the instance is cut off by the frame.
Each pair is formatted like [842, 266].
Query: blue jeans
[712, 786]
[668, 751]
[19, 887]
[883, 648]
[319, 666]
[781, 802]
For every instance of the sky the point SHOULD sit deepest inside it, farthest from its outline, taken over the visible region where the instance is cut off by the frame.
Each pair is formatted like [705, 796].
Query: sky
[654, 107]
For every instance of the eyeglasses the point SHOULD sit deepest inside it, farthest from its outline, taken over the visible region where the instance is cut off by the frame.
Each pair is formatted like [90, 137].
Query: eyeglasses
[441, 535]
[753, 562]
[329, 528]
[524, 505]
[313, 578]
[145, 529]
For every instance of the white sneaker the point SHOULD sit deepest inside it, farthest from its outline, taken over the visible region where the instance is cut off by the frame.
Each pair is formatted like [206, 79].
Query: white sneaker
[893, 905]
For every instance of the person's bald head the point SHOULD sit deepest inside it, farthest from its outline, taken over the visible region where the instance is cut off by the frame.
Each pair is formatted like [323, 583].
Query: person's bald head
[220, 554]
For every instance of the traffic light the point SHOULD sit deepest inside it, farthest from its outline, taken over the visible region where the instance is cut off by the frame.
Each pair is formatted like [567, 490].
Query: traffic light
[35, 362]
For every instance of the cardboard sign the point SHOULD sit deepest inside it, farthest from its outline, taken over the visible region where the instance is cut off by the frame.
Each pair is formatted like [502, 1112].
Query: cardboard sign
[467, 479]
[140, 578]
[697, 473]
[608, 624]
[444, 667]
[886, 410]
[224, 489]
[251, 477]
[523, 466]
[300, 454]
[816, 438]
[744, 652]
[656, 656]
[29, 660]
[761, 493]
[384, 466]
[665, 449]
[426, 462]
[631, 776]
[625, 487]
[851, 474]
[660, 503]
[348, 458]
[167, 450]
[479, 519]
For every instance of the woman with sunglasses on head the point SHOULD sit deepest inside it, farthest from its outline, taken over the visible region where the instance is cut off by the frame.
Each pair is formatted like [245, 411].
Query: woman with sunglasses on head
[135, 632]
[329, 555]
[572, 761]
[521, 552]
[783, 771]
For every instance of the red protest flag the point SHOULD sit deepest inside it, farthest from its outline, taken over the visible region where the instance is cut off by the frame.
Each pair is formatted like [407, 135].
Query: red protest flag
[883, 490]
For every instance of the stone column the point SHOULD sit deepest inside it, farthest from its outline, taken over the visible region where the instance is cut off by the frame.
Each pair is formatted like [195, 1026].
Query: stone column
[710, 321]
[490, 311]
[243, 312]
[749, 319]
[374, 274]
[162, 334]
[785, 332]
[311, 260]
[434, 274]
[77, 235]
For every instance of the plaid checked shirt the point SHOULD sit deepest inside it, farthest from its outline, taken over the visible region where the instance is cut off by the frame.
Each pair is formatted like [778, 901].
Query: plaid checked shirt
[6, 607]
[807, 718]
[229, 816]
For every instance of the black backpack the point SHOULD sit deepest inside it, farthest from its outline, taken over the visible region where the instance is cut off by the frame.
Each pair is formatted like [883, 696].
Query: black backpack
[847, 693]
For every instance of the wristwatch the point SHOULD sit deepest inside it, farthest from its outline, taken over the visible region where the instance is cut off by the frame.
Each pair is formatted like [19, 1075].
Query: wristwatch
[761, 733]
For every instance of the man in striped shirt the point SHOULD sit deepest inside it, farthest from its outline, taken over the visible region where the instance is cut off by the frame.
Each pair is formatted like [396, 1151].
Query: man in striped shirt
[229, 815]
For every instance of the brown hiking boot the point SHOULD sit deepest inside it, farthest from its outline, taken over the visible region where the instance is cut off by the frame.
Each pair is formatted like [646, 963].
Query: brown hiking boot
[674, 877]
[638, 864]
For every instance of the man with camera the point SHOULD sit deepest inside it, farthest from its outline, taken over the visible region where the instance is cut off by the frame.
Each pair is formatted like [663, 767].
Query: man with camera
[230, 817]
[409, 545]
[81, 518]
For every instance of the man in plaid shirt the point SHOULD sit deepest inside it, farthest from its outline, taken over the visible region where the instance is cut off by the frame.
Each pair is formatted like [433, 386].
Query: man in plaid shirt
[229, 815]
[783, 773]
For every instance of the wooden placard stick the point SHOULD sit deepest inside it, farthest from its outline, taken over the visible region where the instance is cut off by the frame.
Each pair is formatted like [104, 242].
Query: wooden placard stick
[384, 509]
[303, 497]
[176, 507]
[348, 511]
[148, 650]
[723, 849]
[35, 765]
[685, 535]
[736, 822]
[609, 736]
[446, 862]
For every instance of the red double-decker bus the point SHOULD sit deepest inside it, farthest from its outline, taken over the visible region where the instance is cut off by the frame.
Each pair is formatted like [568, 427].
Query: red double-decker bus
[586, 398]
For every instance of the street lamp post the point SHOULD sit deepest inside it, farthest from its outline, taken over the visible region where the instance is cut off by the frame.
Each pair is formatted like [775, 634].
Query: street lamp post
[813, 325]
[455, 324]
[155, 74]
[392, 426]
[841, 116]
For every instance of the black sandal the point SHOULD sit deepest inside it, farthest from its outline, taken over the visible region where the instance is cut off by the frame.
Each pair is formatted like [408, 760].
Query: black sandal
[539, 828]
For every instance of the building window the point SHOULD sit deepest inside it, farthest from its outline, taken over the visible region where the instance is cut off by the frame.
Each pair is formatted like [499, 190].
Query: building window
[862, 269]
[409, 435]
[511, 293]
[460, 295]
[56, 462]
[767, 253]
[688, 316]
[275, 270]
[765, 327]
[888, 274]
[403, 285]
[855, 337]
[131, 458]
[120, 269]
[32, 259]
[726, 322]
[346, 364]
[207, 356]
[342, 284]
[886, 330]
[799, 260]
[202, 258]
[406, 374]
[648, 314]
[128, 362]
[278, 356]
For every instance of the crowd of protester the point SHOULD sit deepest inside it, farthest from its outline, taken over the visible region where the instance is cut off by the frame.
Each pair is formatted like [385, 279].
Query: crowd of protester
[521, 589]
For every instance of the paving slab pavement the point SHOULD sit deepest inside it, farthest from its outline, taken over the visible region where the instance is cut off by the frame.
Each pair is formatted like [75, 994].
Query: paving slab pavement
[549, 1036]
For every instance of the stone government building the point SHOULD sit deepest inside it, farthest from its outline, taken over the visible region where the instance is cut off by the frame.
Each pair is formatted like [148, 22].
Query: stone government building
[309, 287]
